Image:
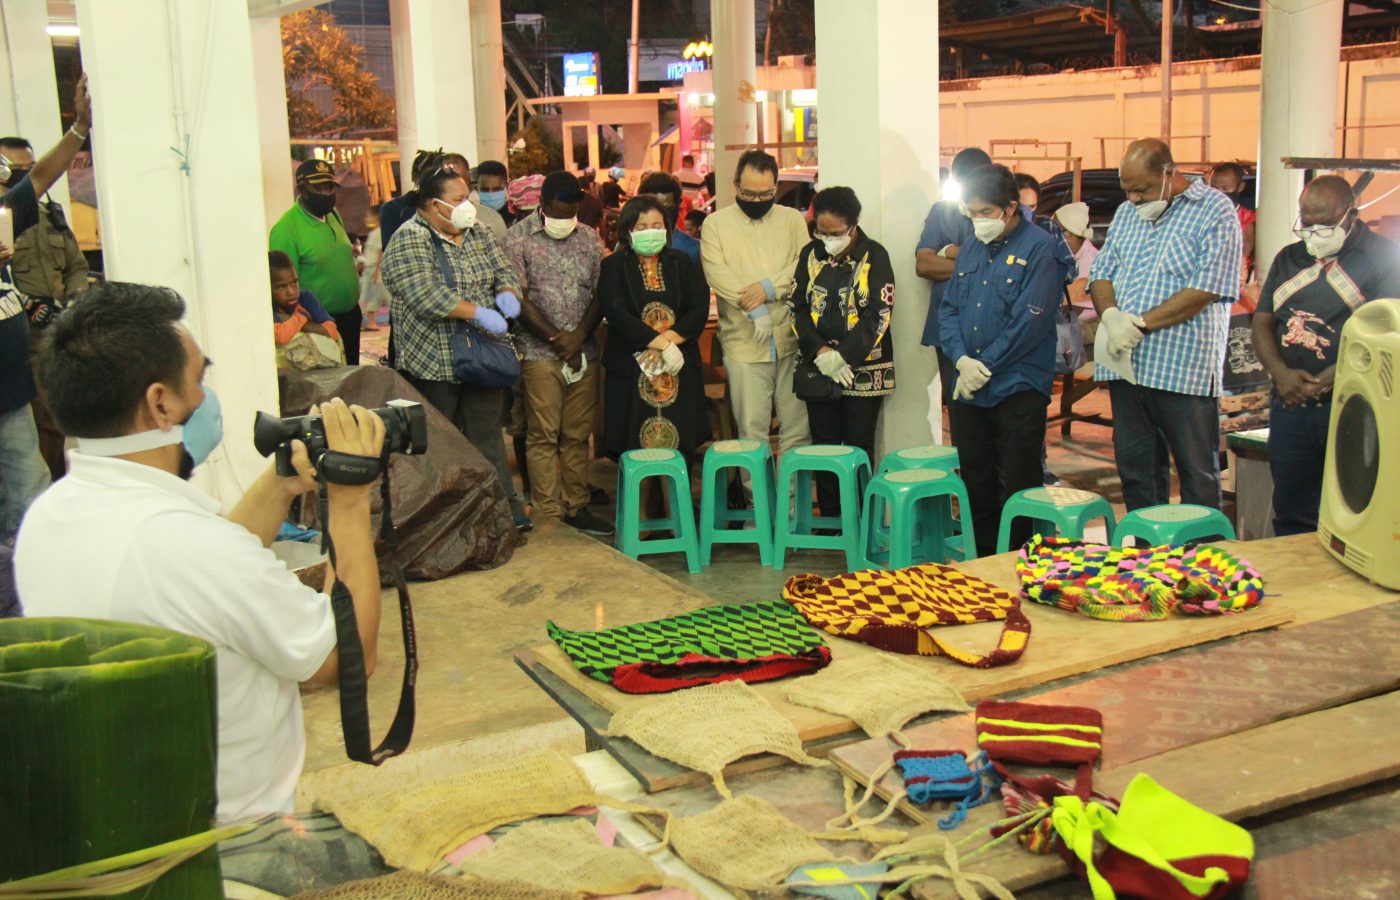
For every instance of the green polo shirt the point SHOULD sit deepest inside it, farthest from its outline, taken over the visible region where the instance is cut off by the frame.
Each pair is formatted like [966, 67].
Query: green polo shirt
[322, 254]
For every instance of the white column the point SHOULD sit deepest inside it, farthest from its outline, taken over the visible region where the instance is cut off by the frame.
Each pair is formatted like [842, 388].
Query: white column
[28, 81]
[736, 112]
[874, 73]
[169, 75]
[1301, 48]
[434, 84]
[274, 136]
[489, 73]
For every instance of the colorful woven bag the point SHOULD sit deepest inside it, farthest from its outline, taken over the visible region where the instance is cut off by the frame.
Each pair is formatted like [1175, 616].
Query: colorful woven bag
[891, 609]
[747, 642]
[1157, 845]
[1039, 734]
[1022, 795]
[1127, 584]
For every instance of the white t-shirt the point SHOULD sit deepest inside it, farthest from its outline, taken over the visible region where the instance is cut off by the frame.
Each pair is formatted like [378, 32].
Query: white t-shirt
[125, 541]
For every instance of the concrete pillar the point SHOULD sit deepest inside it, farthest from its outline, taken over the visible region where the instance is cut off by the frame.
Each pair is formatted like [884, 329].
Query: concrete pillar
[1301, 47]
[489, 74]
[169, 75]
[595, 155]
[434, 82]
[736, 112]
[27, 79]
[873, 67]
[567, 130]
[274, 137]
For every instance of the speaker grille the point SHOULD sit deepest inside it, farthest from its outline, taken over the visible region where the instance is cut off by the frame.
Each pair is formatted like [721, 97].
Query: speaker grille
[1386, 374]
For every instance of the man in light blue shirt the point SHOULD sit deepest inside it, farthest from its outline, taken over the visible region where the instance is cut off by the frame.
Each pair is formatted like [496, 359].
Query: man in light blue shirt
[1163, 285]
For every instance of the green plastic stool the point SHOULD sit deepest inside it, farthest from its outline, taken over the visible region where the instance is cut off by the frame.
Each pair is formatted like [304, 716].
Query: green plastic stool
[921, 521]
[1055, 510]
[794, 526]
[934, 456]
[634, 467]
[1174, 523]
[756, 458]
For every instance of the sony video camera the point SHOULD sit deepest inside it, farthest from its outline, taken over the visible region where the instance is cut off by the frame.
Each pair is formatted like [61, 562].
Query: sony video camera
[405, 431]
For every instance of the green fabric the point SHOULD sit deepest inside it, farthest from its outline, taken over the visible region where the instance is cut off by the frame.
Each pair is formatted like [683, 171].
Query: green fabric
[743, 631]
[106, 758]
[322, 254]
[1154, 825]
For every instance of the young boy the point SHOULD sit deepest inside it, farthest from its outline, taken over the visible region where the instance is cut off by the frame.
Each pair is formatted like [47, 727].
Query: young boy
[295, 310]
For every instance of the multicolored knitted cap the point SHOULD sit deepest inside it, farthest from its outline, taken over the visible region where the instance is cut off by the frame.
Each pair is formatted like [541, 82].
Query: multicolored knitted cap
[1042, 735]
[1127, 584]
[891, 610]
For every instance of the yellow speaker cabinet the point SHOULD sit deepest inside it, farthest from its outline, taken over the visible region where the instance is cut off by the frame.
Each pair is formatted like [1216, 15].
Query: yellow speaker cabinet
[1359, 521]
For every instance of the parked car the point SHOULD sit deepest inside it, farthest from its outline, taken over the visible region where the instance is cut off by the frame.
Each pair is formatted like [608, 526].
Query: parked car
[1100, 189]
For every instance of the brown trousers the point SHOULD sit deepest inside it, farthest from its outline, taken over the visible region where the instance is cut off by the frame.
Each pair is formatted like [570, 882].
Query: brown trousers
[560, 420]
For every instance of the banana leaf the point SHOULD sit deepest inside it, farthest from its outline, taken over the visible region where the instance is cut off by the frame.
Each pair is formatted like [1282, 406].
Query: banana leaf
[108, 746]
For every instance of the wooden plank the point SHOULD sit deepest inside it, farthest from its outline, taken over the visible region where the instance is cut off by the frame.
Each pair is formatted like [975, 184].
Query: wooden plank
[1237, 777]
[1193, 697]
[1062, 644]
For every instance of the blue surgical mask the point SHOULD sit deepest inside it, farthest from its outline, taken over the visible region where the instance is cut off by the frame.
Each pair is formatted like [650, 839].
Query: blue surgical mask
[200, 434]
[204, 429]
[492, 199]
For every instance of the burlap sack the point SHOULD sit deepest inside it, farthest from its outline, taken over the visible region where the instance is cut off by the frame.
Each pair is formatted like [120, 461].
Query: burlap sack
[415, 886]
[415, 826]
[566, 856]
[745, 843]
[879, 692]
[708, 727]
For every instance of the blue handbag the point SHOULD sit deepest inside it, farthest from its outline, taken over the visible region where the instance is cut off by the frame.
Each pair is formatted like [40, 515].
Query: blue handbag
[479, 360]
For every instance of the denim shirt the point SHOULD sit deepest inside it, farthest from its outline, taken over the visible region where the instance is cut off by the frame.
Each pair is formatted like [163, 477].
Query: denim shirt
[999, 308]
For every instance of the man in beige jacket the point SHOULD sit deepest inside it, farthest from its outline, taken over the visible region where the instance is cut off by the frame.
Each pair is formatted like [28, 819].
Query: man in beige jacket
[749, 252]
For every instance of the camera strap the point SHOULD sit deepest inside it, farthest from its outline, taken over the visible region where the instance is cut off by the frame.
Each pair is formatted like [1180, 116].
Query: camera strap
[354, 682]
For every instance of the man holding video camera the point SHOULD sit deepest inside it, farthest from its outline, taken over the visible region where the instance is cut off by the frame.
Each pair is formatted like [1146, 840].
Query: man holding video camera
[124, 536]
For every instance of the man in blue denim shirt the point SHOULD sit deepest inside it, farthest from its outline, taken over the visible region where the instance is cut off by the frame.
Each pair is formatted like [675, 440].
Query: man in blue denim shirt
[997, 326]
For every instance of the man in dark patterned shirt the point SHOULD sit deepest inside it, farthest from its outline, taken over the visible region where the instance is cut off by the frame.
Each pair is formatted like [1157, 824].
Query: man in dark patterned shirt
[1313, 287]
[557, 261]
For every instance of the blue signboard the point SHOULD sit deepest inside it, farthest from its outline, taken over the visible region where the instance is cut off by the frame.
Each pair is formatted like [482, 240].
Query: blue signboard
[580, 74]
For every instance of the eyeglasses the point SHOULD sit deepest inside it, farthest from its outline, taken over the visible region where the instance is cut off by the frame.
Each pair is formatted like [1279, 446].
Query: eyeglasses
[755, 196]
[1318, 231]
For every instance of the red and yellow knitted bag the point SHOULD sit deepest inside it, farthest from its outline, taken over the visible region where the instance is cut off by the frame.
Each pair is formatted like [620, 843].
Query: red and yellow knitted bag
[892, 609]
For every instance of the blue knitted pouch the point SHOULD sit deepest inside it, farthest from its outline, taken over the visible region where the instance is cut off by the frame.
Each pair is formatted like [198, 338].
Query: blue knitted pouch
[945, 775]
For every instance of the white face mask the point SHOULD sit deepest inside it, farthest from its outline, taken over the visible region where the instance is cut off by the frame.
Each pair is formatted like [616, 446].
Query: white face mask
[463, 215]
[1151, 210]
[988, 230]
[559, 228]
[1325, 247]
[835, 245]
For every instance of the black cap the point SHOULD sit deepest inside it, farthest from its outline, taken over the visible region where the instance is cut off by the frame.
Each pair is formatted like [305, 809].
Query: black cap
[315, 171]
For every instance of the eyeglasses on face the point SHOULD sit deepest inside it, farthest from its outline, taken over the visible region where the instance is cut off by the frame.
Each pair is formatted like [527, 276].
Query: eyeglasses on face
[755, 196]
[1317, 231]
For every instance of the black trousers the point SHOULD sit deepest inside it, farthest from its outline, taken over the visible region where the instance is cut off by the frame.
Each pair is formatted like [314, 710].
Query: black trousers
[947, 378]
[850, 421]
[1152, 427]
[999, 450]
[348, 324]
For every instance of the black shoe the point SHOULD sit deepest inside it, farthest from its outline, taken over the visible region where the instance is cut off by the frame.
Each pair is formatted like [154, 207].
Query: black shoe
[588, 523]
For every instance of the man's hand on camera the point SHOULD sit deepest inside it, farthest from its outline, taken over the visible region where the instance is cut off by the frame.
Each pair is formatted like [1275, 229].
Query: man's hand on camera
[305, 479]
[356, 431]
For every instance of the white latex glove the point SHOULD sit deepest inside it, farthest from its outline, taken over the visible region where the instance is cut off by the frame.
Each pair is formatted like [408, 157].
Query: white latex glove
[846, 377]
[762, 325]
[972, 377]
[673, 359]
[651, 363]
[1124, 329]
[829, 362]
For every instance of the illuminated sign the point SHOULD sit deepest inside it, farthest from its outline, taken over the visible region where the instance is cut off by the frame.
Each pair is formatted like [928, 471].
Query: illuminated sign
[677, 70]
[699, 50]
[580, 74]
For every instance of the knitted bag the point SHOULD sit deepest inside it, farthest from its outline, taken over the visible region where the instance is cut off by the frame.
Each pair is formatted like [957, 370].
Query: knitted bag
[945, 775]
[1127, 584]
[1020, 795]
[1042, 735]
[1157, 845]
[891, 609]
[750, 642]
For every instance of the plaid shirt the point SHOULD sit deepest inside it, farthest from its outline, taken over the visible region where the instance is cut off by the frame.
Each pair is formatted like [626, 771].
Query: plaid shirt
[420, 300]
[1195, 244]
[559, 276]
